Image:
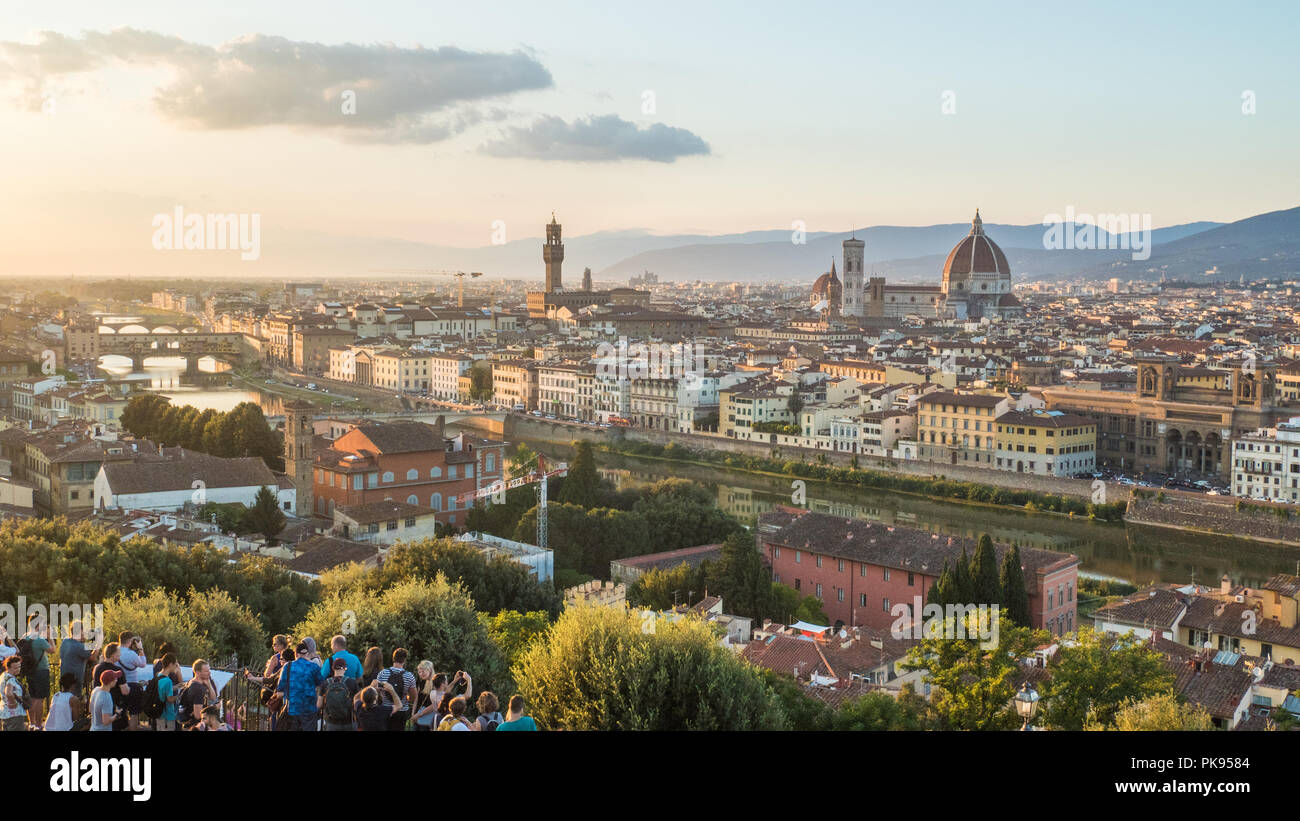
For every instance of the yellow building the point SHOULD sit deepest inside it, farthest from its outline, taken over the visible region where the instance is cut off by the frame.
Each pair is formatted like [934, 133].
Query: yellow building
[958, 428]
[401, 371]
[1252, 621]
[1046, 443]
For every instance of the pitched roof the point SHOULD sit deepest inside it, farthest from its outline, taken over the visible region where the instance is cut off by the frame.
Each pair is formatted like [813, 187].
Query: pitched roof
[321, 553]
[1284, 583]
[791, 655]
[669, 559]
[384, 511]
[1155, 607]
[903, 548]
[403, 437]
[178, 469]
[1228, 618]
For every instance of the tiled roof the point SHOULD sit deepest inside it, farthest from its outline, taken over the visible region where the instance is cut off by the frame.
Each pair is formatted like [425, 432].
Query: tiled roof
[1154, 607]
[692, 556]
[1215, 615]
[382, 511]
[790, 655]
[896, 547]
[403, 437]
[1216, 687]
[1285, 584]
[321, 553]
[179, 469]
[976, 400]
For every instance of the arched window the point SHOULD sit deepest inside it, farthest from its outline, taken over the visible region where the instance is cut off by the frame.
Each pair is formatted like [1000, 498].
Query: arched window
[388, 476]
[412, 500]
[412, 474]
[490, 462]
[435, 501]
[435, 473]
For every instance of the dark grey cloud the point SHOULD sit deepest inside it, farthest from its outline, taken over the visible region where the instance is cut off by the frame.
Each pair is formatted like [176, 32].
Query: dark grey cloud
[596, 139]
[411, 95]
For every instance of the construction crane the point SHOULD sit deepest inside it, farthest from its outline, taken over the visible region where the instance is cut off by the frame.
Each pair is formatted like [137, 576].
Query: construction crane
[538, 477]
[459, 275]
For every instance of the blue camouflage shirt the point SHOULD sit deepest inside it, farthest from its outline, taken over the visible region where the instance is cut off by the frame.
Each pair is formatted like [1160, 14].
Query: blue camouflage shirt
[298, 682]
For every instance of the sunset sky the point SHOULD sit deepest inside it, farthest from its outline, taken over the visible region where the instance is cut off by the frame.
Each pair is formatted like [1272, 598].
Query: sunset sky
[467, 113]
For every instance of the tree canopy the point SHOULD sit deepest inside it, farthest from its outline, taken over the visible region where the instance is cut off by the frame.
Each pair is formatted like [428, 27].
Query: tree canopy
[601, 668]
[1094, 676]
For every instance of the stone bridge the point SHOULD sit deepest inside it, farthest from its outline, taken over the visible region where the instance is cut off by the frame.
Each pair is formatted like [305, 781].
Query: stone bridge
[193, 346]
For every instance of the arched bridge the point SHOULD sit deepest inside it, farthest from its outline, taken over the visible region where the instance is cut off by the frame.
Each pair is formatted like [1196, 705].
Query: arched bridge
[193, 346]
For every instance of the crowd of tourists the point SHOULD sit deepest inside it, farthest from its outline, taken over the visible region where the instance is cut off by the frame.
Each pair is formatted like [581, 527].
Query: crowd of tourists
[117, 688]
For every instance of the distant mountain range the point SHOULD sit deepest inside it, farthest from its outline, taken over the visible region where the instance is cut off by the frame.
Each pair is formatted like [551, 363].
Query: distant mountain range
[1263, 245]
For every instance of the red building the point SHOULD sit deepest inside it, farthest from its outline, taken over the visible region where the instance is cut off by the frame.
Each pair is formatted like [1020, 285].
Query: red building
[860, 570]
[406, 462]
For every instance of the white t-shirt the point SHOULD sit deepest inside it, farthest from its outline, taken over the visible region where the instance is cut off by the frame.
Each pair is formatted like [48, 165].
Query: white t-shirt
[461, 728]
[60, 718]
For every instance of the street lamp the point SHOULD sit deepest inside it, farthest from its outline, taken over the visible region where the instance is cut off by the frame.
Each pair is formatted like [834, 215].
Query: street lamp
[1026, 704]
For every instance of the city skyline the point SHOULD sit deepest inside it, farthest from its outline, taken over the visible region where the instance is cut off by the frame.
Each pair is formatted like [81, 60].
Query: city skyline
[642, 121]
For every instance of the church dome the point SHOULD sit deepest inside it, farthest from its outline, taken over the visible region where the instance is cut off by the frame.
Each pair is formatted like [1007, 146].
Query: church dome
[826, 283]
[975, 254]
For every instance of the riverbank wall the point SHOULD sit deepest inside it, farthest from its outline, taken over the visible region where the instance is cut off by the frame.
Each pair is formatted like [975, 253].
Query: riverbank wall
[1170, 509]
[1261, 521]
[529, 428]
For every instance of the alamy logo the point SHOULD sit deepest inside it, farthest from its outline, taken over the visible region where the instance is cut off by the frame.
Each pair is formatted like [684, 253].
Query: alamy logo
[954, 622]
[208, 232]
[60, 618]
[1101, 233]
[623, 362]
[123, 775]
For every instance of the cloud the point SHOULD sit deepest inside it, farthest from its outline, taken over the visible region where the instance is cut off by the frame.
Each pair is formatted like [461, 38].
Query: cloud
[596, 139]
[402, 95]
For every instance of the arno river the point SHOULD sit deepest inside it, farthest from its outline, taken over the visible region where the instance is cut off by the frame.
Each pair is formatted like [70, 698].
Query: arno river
[1133, 553]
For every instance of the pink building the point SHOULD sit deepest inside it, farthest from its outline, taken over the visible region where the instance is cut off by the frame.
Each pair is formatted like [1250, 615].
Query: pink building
[860, 569]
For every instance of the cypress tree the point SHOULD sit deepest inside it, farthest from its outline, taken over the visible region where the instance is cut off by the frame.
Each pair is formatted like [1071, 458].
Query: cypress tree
[582, 484]
[1015, 598]
[963, 589]
[940, 592]
[984, 573]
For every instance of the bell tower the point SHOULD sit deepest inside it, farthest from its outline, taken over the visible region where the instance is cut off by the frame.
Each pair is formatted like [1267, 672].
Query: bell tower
[553, 256]
[298, 455]
[853, 296]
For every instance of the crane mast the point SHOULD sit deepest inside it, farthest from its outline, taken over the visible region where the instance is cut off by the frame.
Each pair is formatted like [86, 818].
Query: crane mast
[538, 477]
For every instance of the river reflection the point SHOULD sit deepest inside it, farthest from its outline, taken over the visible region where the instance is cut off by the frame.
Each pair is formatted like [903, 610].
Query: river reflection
[166, 375]
[1134, 553]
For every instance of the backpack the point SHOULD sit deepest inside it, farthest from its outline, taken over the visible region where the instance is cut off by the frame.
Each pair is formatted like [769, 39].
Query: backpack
[450, 722]
[398, 683]
[27, 657]
[338, 704]
[153, 703]
[489, 721]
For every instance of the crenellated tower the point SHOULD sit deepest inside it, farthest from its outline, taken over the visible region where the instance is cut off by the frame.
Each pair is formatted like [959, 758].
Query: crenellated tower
[553, 256]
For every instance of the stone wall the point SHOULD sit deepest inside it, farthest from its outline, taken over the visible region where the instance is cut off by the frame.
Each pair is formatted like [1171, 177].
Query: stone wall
[1217, 514]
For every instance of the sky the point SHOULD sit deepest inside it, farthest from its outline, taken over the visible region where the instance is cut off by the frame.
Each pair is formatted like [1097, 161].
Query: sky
[475, 119]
